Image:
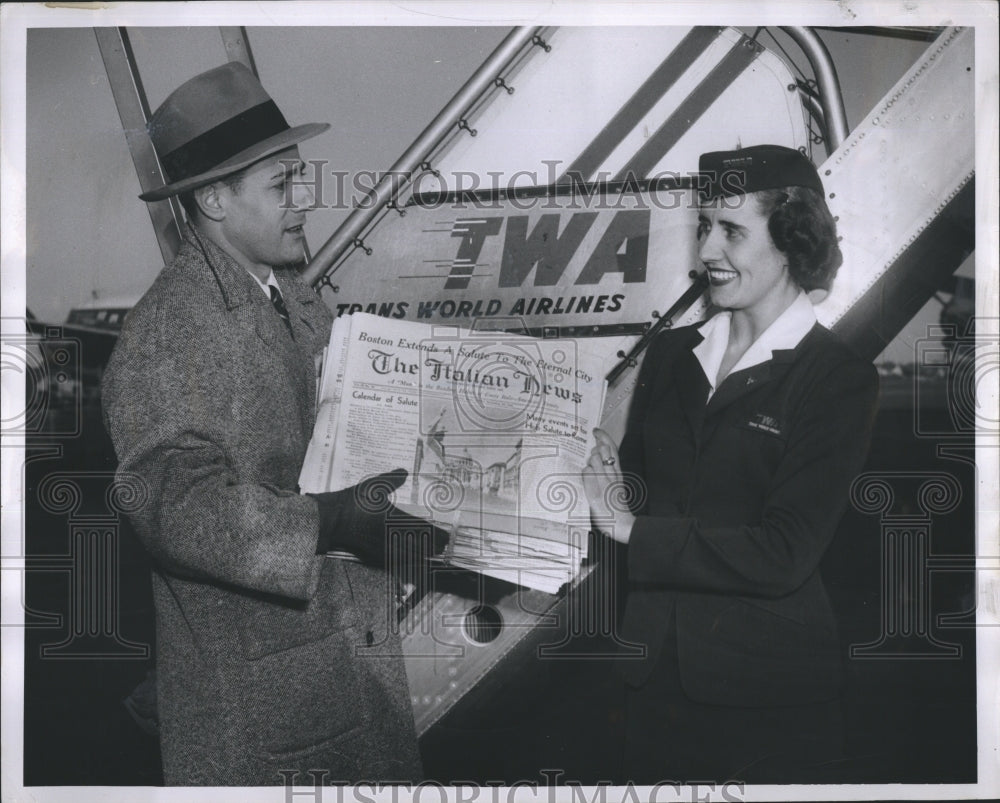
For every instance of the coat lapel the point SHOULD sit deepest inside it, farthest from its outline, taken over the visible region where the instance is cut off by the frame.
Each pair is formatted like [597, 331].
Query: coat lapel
[309, 337]
[298, 298]
[240, 293]
[233, 281]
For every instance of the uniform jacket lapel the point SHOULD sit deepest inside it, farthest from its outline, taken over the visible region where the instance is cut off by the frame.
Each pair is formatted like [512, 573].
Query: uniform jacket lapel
[692, 389]
[740, 383]
[685, 380]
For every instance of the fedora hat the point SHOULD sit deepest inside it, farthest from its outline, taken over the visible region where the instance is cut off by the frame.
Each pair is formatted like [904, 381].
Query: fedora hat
[216, 124]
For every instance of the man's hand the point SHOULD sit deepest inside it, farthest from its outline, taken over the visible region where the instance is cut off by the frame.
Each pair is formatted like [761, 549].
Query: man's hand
[361, 520]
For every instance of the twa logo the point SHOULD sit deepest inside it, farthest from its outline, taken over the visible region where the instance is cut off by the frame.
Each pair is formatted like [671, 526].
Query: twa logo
[548, 248]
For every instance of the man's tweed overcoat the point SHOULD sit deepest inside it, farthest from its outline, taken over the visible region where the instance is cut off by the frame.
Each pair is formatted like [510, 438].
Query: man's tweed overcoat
[269, 658]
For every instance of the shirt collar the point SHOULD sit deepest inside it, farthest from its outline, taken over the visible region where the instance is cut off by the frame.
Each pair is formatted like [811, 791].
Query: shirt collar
[785, 332]
[712, 349]
[271, 282]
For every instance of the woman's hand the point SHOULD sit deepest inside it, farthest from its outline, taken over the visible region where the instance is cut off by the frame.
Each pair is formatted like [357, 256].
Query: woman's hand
[601, 477]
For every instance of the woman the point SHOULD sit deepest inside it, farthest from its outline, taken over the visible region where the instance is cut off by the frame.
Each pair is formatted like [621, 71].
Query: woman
[744, 435]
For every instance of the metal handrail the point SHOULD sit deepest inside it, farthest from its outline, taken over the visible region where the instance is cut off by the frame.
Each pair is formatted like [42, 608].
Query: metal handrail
[812, 104]
[385, 190]
[830, 96]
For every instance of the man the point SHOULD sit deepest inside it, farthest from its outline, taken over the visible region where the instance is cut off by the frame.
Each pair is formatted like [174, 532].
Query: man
[271, 656]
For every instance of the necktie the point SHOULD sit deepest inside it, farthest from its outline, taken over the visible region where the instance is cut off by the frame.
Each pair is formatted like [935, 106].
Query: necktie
[280, 308]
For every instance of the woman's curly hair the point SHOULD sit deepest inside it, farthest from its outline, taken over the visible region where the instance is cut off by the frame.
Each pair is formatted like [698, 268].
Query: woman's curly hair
[803, 229]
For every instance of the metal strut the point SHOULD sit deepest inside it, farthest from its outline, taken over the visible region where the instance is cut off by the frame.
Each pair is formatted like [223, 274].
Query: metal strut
[133, 109]
[698, 286]
[443, 124]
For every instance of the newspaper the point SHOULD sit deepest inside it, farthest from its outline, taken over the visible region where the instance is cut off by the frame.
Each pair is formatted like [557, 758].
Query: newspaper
[493, 429]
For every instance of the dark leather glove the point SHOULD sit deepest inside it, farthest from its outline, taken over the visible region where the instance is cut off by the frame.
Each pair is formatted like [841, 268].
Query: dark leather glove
[361, 520]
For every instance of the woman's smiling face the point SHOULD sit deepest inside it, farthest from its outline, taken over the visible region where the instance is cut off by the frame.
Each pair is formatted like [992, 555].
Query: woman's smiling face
[745, 268]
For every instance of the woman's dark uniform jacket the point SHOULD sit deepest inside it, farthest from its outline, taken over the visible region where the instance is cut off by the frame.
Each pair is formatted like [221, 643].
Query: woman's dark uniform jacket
[739, 501]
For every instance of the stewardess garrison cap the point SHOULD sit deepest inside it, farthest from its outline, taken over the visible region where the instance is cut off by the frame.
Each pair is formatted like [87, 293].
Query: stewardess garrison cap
[216, 124]
[760, 167]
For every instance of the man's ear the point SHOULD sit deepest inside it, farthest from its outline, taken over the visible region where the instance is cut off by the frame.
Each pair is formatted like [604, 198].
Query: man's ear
[209, 203]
